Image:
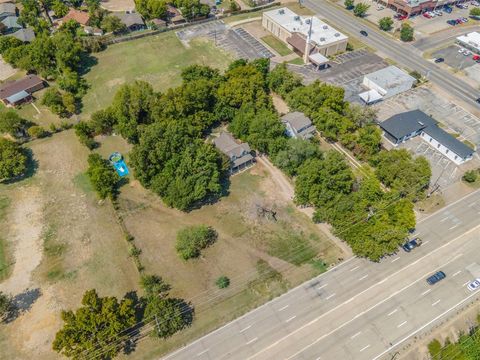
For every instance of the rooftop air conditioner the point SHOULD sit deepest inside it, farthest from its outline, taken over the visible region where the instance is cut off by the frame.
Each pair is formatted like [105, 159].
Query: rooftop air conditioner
[281, 11]
[296, 18]
[307, 21]
[322, 39]
[337, 34]
[325, 27]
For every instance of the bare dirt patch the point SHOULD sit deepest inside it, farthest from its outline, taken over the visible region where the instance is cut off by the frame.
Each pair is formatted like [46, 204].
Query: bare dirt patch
[118, 5]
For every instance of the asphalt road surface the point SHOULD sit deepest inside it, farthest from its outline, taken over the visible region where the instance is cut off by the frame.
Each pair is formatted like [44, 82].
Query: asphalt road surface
[359, 309]
[442, 38]
[402, 53]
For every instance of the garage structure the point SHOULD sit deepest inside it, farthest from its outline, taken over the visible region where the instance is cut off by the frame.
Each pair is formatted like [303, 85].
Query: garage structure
[307, 36]
[402, 127]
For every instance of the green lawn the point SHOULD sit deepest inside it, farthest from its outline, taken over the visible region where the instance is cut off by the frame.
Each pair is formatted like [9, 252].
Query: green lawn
[297, 61]
[4, 266]
[276, 45]
[157, 59]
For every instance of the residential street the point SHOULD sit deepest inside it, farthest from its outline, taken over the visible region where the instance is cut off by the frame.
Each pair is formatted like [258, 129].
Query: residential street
[404, 54]
[360, 310]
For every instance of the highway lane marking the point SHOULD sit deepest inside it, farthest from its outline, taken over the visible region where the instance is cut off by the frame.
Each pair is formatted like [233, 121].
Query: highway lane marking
[458, 272]
[293, 317]
[393, 312]
[283, 308]
[351, 320]
[245, 329]
[436, 302]
[423, 327]
[321, 287]
[403, 323]
[445, 218]
[252, 341]
[426, 292]
[398, 258]
[454, 226]
[355, 335]
[363, 277]
[201, 353]
[355, 268]
[365, 348]
[330, 296]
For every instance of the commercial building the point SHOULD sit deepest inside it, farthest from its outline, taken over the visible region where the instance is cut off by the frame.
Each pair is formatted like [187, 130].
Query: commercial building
[307, 36]
[470, 41]
[240, 155]
[385, 83]
[16, 92]
[298, 126]
[401, 127]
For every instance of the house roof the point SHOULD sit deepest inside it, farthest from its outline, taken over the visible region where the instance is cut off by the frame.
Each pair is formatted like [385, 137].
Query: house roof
[81, 17]
[8, 8]
[11, 22]
[25, 35]
[14, 87]
[159, 22]
[390, 77]
[226, 144]
[18, 96]
[130, 19]
[297, 120]
[298, 42]
[408, 122]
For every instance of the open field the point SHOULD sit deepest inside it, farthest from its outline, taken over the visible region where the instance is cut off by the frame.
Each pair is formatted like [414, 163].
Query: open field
[62, 242]
[157, 59]
[261, 256]
[276, 45]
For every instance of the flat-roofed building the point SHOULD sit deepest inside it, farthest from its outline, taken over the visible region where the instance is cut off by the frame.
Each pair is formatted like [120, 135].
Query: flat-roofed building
[470, 41]
[294, 30]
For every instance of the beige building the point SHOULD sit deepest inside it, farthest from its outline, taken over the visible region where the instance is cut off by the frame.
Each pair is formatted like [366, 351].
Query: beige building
[295, 30]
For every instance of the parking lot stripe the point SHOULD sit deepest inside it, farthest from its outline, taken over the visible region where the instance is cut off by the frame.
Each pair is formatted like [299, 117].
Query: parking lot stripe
[365, 348]
[393, 312]
[403, 323]
[426, 292]
[436, 302]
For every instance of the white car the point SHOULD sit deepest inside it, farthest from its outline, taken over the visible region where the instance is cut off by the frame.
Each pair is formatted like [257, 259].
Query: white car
[438, 13]
[474, 285]
[461, 50]
[467, 53]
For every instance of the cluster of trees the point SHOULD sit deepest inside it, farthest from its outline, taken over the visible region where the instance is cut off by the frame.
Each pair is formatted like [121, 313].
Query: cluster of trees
[103, 177]
[192, 239]
[103, 326]
[475, 13]
[60, 103]
[153, 9]
[385, 23]
[13, 160]
[361, 9]
[406, 32]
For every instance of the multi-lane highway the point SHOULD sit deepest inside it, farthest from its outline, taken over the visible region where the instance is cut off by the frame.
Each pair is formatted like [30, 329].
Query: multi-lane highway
[361, 310]
[402, 53]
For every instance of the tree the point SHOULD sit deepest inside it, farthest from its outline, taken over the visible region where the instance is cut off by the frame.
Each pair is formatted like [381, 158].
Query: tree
[96, 327]
[475, 12]
[6, 306]
[103, 177]
[296, 152]
[152, 9]
[113, 24]
[406, 32]
[154, 286]
[11, 123]
[361, 9]
[103, 121]
[85, 134]
[8, 42]
[385, 23]
[191, 240]
[282, 81]
[59, 8]
[349, 4]
[369, 141]
[13, 161]
[223, 282]
[234, 7]
[470, 176]
[52, 98]
[361, 115]
[37, 132]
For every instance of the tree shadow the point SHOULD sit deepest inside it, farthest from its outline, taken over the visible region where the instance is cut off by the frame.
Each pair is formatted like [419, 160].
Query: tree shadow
[213, 198]
[31, 168]
[22, 303]
[87, 62]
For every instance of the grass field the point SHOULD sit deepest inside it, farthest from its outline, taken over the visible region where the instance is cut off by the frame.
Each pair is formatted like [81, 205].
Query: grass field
[157, 59]
[276, 45]
[4, 258]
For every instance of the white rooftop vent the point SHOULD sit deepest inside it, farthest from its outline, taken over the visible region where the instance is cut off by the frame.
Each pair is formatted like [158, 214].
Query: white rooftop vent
[281, 11]
[337, 34]
[325, 27]
[296, 18]
[421, 123]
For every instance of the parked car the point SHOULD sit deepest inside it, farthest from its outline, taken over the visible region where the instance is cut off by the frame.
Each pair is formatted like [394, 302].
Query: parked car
[427, 15]
[476, 57]
[464, 19]
[403, 17]
[478, 100]
[447, 9]
[439, 275]
[411, 244]
[439, 60]
[451, 22]
[467, 53]
[438, 13]
[363, 32]
[474, 285]
[380, 8]
[461, 50]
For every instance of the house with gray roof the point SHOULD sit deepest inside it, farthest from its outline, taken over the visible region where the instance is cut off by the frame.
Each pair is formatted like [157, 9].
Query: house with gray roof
[25, 35]
[7, 9]
[401, 127]
[132, 20]
[11, 24]
[240, 155]
[298, 126]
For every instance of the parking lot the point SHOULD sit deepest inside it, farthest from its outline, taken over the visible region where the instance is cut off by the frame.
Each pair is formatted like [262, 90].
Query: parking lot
[452, 118]
[454, 58]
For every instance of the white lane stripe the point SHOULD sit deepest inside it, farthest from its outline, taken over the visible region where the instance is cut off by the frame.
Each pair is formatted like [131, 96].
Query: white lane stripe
[425, 242]
[355, 335]
[245, 329]
[283, 308]
[321, 287]
[201, 353]
[466, 283]
[355, 268]
[458, 272]
[436, 302]
[252, 341]
[363, 277]
[403, 323]
[426, 292]
[293, 317]
[398, 258]
[393, 312]
[423, 327]
[330, 296]
[445, 218]
[365, 348]
[454, 226]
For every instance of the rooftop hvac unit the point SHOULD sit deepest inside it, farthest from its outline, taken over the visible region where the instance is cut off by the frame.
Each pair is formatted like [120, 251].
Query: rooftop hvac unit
[322, 39]
[337, 34]
[307, 21]
[325, 27]
[296, 18]
[281, 11]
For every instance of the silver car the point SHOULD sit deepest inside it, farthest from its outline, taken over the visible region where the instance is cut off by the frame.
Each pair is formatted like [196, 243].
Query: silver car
[474, 285]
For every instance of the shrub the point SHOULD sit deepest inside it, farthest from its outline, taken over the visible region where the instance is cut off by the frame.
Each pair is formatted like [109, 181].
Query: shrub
[192, 239]
[85, 135]
[406, 32]
[470, 176]
[37, 132]
[223, 282]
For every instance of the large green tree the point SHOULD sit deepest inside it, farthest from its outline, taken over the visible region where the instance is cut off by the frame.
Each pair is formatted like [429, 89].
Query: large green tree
[102, 175]
[13, 161]
[361, 9]
[191, 240]
[385, 23]
[295, 153]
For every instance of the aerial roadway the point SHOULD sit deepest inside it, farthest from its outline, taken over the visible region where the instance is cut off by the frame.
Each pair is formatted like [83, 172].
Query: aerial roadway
[403, 53]
[360, 309]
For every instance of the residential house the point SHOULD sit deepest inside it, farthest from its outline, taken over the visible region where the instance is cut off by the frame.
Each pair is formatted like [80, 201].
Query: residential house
[402, 127]
[25, 35]
[158, 24]
[132, 20]
[11, 25]
[81, 17]
[7, 9]
[93, 31]
[298, 125]
[20, 91]
[240, 155]
[174, 15]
